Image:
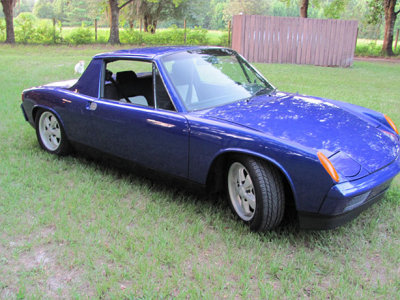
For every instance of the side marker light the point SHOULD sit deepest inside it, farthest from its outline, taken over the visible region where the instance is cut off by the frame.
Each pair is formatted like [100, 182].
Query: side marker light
[391, 123]
[328, 166]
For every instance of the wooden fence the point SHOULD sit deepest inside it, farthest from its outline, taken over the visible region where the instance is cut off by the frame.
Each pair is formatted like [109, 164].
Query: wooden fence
[295, 40]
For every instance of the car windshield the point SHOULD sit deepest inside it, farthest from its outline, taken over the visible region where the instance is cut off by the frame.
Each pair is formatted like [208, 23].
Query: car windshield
[212, 77]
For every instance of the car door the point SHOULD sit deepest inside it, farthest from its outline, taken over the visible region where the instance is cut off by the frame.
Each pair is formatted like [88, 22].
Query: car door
[74, 109]
[152, 137]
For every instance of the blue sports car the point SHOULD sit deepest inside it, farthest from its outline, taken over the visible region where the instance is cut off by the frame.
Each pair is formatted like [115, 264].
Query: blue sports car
[206, 115]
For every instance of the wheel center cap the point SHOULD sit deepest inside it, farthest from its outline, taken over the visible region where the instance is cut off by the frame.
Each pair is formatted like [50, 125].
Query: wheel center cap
[241, 191]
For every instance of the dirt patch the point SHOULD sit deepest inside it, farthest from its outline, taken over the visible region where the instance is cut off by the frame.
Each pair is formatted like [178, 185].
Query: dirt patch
[38, 270]
[378, 59]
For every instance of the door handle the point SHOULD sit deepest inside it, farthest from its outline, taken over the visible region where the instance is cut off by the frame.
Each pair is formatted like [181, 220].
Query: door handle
[91, 105]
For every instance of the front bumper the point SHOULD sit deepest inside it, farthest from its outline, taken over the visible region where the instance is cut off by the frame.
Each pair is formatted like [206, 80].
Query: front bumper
[345, 201]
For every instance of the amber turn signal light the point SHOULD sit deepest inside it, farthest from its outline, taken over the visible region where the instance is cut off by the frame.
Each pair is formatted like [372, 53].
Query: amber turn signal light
[391, 123]
[328, 166]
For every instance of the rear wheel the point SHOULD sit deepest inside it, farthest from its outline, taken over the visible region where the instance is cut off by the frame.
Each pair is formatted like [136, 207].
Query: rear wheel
[50, 134]
[255, 192]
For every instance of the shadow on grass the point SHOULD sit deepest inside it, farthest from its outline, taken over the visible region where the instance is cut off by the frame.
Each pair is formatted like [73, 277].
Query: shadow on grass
[216, 207]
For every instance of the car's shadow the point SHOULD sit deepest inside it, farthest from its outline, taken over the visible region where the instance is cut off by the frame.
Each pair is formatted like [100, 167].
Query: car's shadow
[163, 181]
[214, 203]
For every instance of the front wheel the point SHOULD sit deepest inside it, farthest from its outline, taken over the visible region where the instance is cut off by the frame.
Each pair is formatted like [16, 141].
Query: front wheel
[50, 134]
[255, 192]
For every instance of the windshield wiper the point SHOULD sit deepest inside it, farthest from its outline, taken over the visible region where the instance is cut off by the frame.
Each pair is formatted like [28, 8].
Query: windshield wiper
[272, 91]
[265, 90]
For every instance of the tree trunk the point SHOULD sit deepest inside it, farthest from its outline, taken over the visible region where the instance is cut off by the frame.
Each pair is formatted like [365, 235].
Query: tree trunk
[147, 20]
[390, 19]
[8, 9]
[114, 24]
[304, 8]
[150, 24]
[153, 27]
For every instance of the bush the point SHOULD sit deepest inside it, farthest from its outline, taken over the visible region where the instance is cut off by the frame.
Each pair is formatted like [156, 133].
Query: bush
[102, 36]
[46, 33]
[224, 40]
[81, 35]
[28, 29]
[173, 35]
[371, 49]
[131, 36]
[2, 30]
[24, 27]
[170, 36]
[197, 36]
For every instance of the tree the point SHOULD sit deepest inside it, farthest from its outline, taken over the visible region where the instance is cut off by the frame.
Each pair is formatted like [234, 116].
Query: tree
[304, 8]
[153, 11]
[303, 4]
[114, 24]
[43, 9]
[334, 9]
[8, 9]
[195, 12]
[246, 7]
[388, 9]
[130, 14]
[217, 14]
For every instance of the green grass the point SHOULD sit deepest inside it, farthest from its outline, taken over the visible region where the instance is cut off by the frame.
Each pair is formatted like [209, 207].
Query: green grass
[74, 228]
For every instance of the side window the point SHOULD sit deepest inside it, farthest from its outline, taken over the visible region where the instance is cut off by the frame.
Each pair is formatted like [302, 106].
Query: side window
[129, 81]
[163, 100]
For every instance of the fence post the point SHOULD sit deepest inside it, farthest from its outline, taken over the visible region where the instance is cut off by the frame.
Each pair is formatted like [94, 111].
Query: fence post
[397, 38]
[95, 30]
[54, 30]
[355, 46]
[184, 31]
[229, 33]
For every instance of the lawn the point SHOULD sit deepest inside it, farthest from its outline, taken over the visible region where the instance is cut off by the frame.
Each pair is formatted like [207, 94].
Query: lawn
[76, 228]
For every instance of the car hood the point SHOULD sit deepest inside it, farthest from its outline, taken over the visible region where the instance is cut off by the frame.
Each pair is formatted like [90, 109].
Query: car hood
[318, 124]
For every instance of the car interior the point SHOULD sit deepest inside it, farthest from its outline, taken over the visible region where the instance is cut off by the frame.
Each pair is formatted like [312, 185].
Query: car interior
[123, 84]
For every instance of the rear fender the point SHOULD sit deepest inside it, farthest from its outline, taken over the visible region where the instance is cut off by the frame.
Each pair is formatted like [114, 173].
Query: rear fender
[37, 107]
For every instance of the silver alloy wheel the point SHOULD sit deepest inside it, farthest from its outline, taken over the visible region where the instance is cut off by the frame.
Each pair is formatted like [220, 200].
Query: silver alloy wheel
[241, 191]
[49, 130]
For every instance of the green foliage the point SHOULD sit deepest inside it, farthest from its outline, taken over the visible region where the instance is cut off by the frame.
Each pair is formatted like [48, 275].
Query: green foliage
[197, 36]
[171, 36]
[43, 9]
[25, 31]
[375, 11]
[248, 7]
[81, 35]
[368, 49]
[334, 9]
[77, 11]
[47, 34]
[2, 30]
[224, 39]
[216, 18]
[103, 36]
[131, 36]
[28, 29]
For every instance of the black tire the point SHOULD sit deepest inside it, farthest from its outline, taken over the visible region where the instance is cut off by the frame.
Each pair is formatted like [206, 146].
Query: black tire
[56, 143]
[267, 187]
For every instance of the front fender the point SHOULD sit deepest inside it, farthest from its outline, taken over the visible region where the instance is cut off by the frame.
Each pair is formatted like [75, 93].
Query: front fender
[229, 151]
